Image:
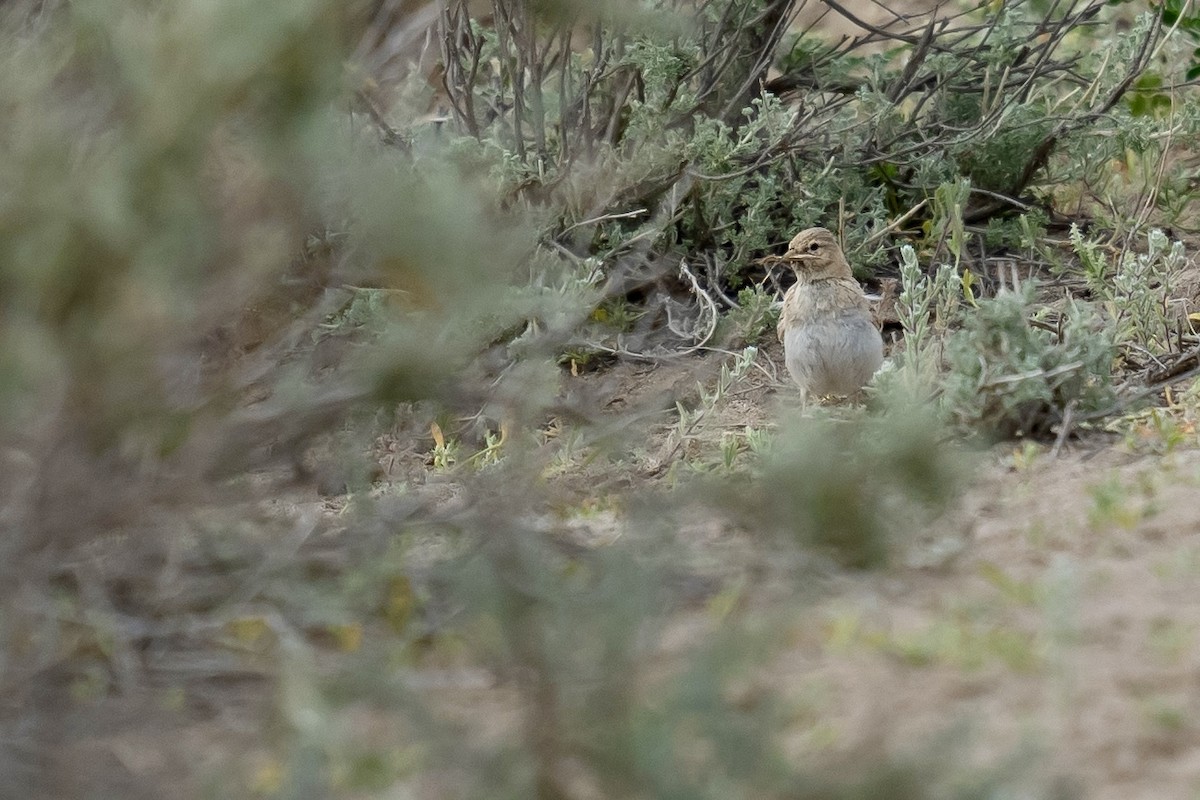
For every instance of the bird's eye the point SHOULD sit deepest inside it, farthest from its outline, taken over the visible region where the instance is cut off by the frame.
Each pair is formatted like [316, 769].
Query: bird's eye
[814, 247]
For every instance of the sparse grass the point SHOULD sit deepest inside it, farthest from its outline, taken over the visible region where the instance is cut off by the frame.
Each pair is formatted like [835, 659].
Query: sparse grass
[698, 437]
[1159, 430]
[955, 639]
[1115, 503]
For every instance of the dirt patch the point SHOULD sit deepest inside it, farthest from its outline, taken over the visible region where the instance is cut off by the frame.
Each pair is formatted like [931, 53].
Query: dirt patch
[1069, 623]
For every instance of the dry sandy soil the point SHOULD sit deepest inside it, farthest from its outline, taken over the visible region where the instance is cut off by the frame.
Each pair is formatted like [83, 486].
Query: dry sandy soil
[1065, 619]
[1060, 624]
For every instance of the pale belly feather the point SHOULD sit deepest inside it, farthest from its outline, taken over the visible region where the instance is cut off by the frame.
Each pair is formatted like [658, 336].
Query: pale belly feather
[834, 355]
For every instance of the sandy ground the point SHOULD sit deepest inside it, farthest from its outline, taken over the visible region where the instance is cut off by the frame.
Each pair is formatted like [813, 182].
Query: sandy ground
[1060, 626]
[1065, 624]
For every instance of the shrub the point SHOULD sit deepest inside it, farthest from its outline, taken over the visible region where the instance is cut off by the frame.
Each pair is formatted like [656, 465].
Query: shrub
[1013, 375]
[662, 139]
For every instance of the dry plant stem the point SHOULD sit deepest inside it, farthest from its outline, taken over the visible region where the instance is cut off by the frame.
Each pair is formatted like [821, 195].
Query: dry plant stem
[738, 49]
[1183, 363]
[713, 273]
[1010, 201]
[1035, 373]
[1183, 14]
[1147, 354]
[1141, 394]
[457, 38]
[708, 308]
[776, 19]
[895, 224]
[388, 135]
[1152, 193]
[604, 218]
[1064, 429]
[665, 463]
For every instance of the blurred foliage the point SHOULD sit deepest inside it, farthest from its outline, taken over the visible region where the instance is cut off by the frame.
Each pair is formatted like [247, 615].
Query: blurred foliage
[856, 492]
[283, 376]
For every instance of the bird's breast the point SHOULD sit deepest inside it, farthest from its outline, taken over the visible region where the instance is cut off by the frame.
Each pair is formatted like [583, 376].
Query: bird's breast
[830, 344]
[807, 303]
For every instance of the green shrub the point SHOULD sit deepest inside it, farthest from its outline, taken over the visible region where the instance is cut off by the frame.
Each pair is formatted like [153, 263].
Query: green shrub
[1137, 290]
[690, 162]
[1010, 375]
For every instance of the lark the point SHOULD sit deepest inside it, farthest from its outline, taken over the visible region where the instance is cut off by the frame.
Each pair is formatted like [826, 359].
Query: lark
[830, 343]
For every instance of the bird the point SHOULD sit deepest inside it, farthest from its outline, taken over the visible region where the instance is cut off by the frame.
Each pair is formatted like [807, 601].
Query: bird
[830, 342]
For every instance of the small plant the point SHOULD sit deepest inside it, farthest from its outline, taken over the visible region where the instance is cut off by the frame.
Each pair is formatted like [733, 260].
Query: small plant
[686, 433]
[758, 440]
[1010, 377]
[445, 451]
[1091, 259]
[1026, 455]
[729, 377]
[755, 315]
[1137, 291]
[949, 200]
[755, 441]
[618, 313]
[1112, 506]
[731, 445]
[927, 307]
[1021, 233]
[493, 449]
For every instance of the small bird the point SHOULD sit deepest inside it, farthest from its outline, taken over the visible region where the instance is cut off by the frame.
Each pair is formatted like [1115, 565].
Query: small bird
[830, 343]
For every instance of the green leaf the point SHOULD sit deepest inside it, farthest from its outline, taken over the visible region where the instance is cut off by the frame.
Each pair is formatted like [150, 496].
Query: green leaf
[1148, 81]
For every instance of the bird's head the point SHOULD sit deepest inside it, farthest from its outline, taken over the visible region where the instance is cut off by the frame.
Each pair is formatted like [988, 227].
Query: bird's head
[814, 254]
